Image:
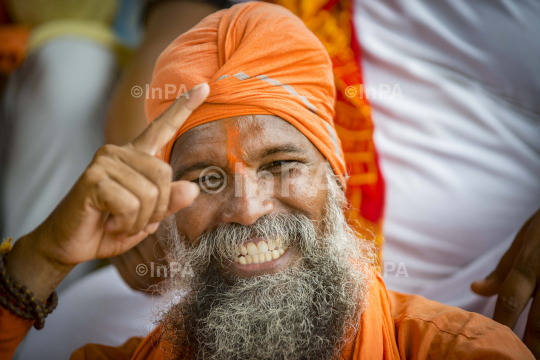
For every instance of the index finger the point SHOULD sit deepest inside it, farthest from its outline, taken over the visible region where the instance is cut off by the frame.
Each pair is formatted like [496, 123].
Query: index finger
[520, 284]
[162, 129]
[513, 297]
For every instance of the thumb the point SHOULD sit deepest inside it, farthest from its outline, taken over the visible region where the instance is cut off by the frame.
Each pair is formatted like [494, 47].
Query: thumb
[494, 281]
[490, 285]
[182, 195]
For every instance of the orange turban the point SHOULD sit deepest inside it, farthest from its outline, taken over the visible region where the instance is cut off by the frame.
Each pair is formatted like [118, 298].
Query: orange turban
[258, 58]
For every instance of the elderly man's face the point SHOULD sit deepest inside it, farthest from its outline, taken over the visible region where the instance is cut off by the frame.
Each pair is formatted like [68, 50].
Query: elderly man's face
[248, 167]
[270, 187]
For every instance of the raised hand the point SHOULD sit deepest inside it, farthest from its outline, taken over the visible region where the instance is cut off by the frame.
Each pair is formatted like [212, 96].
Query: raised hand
[119, 199]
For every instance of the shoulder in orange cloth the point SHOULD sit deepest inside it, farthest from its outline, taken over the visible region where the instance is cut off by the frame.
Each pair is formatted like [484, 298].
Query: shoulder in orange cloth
[258, 59]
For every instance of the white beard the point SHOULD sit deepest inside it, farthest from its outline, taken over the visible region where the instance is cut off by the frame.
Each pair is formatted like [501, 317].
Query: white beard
[308, 311]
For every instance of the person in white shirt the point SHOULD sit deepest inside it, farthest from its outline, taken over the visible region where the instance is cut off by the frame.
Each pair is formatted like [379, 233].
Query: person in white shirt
[459, 149]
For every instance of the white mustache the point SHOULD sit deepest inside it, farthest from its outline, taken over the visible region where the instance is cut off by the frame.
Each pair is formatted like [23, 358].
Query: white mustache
[222, 243]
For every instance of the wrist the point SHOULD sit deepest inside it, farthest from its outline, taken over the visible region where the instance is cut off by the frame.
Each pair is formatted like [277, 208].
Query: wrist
[43, 242]
[34, 269]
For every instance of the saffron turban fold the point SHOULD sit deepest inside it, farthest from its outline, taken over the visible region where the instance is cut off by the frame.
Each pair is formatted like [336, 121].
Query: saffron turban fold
[259, 59]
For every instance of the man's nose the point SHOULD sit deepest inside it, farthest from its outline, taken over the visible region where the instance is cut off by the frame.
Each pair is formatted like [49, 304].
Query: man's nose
[248, 202]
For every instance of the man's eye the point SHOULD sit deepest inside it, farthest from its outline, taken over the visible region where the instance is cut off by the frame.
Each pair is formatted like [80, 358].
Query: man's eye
[280, 163]
[209, 182]
[280, 166]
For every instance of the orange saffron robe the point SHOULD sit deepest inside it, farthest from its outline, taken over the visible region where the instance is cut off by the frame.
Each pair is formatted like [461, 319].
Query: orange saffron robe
[394, 326]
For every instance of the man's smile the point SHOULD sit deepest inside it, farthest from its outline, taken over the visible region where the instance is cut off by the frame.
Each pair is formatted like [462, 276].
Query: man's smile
[260, 255]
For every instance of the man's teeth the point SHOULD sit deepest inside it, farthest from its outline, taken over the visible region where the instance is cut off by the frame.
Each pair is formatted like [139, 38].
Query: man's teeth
[260, 253]
[252, 249]
[262, 246]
